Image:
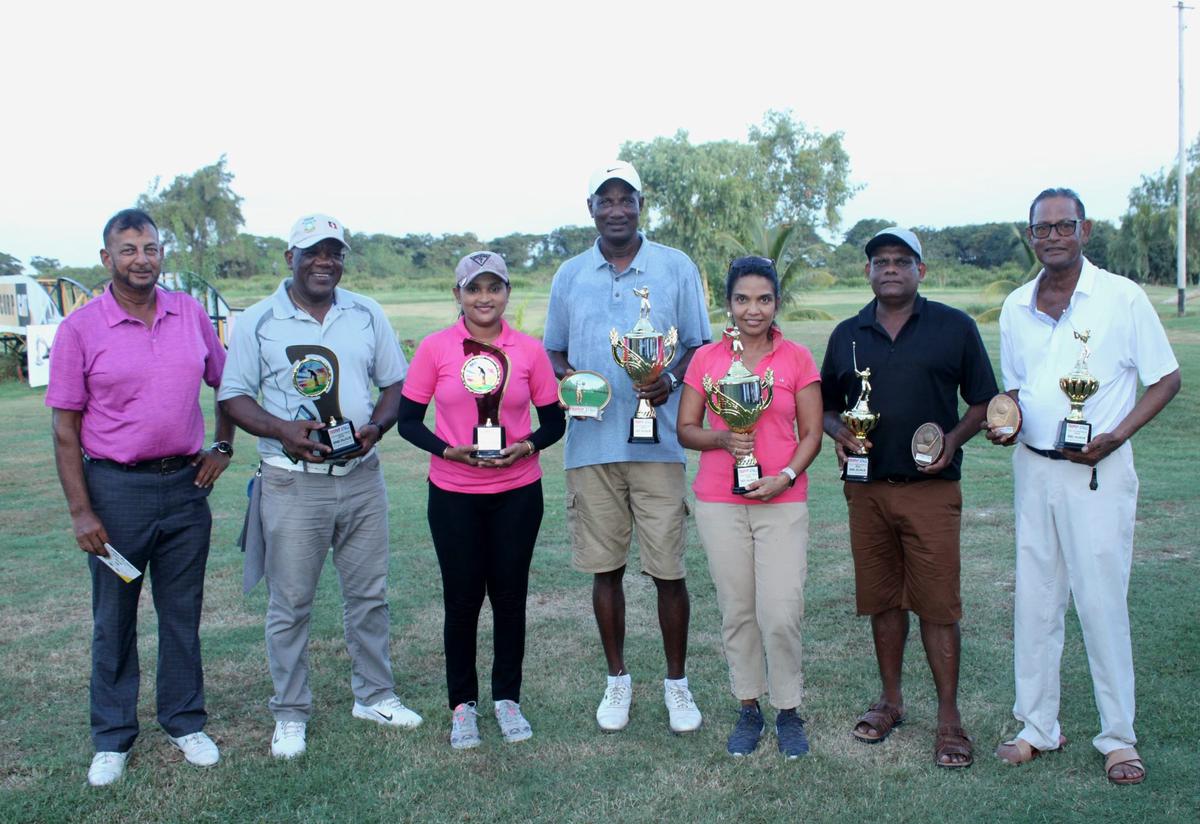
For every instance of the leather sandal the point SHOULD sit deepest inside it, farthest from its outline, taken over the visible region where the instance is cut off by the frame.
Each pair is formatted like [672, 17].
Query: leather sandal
[1126, 756]
[881, 718]
[1019, 751]
[952, 740]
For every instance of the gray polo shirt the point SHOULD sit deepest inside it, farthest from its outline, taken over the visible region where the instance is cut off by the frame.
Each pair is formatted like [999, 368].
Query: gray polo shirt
[355, 328]
[588, 298]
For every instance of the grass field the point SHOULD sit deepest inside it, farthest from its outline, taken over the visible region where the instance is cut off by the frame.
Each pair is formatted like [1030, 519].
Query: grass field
[570, 772]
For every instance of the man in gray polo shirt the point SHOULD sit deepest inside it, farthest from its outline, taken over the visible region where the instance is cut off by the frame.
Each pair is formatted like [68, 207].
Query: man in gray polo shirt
[309, 503]
[614, 486]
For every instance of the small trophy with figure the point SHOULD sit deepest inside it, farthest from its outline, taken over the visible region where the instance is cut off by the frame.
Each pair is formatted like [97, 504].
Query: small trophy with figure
[1078, 385]
[860, 420]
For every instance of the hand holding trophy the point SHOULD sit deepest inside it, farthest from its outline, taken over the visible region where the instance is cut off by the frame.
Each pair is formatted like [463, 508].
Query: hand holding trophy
[739, 399]
[643, 353]
[315, 377]
[485, 375]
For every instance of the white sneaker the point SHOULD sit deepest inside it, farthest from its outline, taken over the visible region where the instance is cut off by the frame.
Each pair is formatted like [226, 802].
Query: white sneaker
[389, 712]
[513, 725]
[681, 709]
[198, 749]
[464, 727]
[106, 768]
[288, 740]
[613, 712]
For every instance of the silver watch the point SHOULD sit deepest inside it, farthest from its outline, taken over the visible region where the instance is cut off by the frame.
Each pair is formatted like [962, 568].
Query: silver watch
[674, 380]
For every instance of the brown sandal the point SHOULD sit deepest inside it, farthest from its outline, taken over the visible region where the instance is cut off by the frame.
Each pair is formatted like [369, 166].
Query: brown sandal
[1126, 756]
[879, 717]
[952, 740]
[1019, 751]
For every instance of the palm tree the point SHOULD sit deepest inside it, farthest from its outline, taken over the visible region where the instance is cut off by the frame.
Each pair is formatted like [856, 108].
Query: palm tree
[782, 244]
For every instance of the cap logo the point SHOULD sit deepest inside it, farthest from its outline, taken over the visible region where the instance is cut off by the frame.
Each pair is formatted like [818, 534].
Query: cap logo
[480, 258]
[332, 225]
[309, 224]
[613, 169]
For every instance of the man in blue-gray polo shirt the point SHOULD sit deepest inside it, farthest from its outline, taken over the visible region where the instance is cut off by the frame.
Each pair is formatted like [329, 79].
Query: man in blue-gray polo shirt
[308, 502]
[612, 485]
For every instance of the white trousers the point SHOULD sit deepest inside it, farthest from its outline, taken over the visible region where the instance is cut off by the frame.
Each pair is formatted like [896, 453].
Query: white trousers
[1073, 541]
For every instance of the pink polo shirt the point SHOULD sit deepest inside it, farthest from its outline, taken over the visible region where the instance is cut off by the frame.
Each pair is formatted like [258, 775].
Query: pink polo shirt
[435, 373]
[137, 387]
[775, 438]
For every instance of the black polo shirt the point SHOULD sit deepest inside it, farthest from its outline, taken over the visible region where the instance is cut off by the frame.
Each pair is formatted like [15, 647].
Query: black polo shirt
[914, 379]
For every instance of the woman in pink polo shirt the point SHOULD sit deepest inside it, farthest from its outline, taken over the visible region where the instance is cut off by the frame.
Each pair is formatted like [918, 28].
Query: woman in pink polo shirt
[757, 542]
[484, 513]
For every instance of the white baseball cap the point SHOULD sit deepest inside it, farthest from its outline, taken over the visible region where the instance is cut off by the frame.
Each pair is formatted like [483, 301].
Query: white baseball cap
[312, 229]
[895, 235]
[616, 169]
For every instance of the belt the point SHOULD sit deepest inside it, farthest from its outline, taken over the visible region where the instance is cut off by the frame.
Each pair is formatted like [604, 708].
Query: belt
[158, 466]
[903, 479]
[1047, 453]
[327, 468]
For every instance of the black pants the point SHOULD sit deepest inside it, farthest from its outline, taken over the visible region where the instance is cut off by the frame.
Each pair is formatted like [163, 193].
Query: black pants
[484, 544]
[161, 524]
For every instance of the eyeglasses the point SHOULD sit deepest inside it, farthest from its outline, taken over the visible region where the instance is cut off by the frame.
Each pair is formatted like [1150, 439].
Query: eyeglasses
[1064, 228]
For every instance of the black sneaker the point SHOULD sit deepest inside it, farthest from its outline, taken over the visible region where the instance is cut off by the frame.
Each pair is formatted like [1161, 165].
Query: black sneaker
[789, 729]
[746, 732]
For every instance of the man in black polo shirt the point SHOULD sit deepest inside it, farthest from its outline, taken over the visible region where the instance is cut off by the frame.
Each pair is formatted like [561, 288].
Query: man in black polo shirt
[904, 520]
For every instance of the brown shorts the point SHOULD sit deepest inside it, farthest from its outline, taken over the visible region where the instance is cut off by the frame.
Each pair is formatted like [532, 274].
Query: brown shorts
[606, 501]
[904, 538]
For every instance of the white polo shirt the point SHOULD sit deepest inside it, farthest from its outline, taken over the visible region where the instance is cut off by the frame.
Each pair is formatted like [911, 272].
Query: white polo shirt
[1127, 343]
[355, 328]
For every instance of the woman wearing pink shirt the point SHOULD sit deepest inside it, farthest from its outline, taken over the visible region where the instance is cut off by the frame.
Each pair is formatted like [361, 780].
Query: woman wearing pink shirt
[757, 542]
[484, 514]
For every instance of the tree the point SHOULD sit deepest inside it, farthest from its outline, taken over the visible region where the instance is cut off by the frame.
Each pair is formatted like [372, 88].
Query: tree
[45, 265]
[698, 195]
[1145, 246]
[10, 265]
[196, 214]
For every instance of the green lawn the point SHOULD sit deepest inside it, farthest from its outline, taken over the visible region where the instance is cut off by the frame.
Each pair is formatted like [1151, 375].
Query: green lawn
[569, 771]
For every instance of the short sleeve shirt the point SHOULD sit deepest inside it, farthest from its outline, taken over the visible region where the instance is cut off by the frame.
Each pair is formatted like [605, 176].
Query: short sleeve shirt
[1125, 336]
[915, 379]
[138, 387]
[436, 374]
[775, 436]
[589, 299]
[355, 328]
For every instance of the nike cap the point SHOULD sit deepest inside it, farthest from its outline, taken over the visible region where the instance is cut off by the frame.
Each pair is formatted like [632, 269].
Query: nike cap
[618, 169]
[479, 263]
[892, 236]
[312, 229]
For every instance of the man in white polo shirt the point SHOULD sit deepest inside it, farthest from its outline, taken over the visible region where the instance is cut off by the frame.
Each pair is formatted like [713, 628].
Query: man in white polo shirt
[1075, 509]
[311, 503]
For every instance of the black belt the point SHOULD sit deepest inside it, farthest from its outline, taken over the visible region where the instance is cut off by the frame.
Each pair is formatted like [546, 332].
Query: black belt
[1047, 453]
[903, 479]
[159, 466]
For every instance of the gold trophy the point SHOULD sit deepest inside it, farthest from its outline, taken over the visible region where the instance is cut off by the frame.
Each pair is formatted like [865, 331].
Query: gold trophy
[739, 399]
[643, 353]
[1073, 431]
[860, 420]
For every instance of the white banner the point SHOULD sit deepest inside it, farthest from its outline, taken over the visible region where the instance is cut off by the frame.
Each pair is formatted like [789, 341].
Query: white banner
[38, 340]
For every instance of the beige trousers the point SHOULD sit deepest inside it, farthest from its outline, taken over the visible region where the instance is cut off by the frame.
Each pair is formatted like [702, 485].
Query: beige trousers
[758, 559]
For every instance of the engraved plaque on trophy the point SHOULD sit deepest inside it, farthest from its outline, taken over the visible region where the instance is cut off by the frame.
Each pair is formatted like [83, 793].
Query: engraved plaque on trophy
[584, 394]
[739, 399]
[1074, 432]
[860, 420]
[928, 443]
[315, 377]
[643, 353]
[484, 374]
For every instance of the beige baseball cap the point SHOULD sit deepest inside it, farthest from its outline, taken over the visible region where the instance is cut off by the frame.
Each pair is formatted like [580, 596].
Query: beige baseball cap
[479, 263]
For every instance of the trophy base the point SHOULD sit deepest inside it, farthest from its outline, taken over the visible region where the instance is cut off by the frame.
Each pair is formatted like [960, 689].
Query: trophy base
[857, 469]
[489, 442]
[643, 430]
[1073, 435]
[743, 476]
[340, 438]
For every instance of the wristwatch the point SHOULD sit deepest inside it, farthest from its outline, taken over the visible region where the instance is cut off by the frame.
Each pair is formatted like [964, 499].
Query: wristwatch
[224, 447]
[791, 473]
[674, 380]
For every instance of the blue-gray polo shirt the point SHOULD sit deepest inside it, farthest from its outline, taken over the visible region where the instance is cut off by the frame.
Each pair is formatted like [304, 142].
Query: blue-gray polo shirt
[355, 328]
[588, 299]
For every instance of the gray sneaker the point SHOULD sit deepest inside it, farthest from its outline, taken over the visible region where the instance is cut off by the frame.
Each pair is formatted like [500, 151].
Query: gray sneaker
[513, 725]
[464, 727]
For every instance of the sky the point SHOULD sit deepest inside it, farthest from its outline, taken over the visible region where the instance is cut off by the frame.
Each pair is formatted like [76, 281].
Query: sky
[489, 117]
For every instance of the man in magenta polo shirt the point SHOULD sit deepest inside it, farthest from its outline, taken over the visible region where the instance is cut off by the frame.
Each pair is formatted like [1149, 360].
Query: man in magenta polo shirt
[125, 374]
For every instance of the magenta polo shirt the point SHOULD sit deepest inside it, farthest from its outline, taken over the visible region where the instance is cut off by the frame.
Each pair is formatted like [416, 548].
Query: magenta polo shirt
[138, 388]
[775, 438]
[435, 373]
